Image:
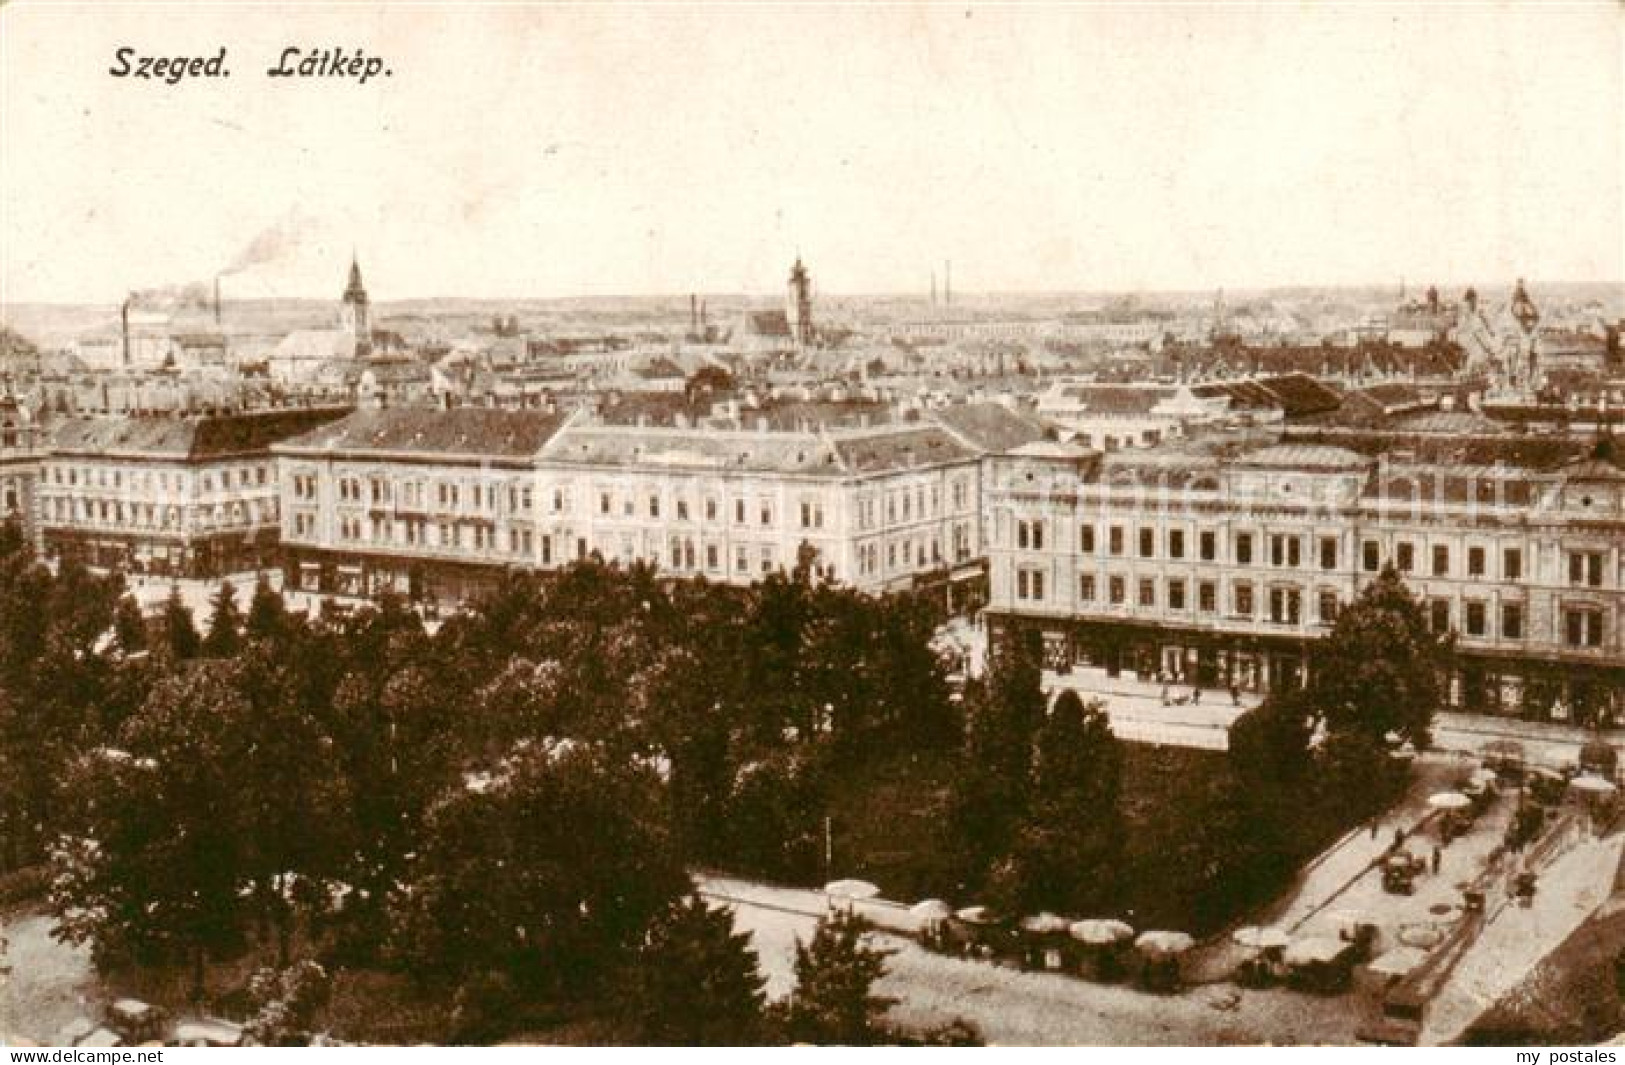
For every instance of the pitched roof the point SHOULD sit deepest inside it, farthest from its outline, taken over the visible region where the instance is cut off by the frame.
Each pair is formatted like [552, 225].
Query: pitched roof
[989, 427]
[1243, 395]
[208, 436]
[1119, 399]
[1593, 469]
[768, 323]
[1315, 457]
[464, 432]
[1414, 483]
[899, 449]
[827, 454]
[620, 445]
[1300, 395]
[1395, 395]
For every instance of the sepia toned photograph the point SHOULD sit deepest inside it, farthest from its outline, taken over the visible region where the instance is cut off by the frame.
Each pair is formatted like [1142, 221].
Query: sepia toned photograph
[810, 524]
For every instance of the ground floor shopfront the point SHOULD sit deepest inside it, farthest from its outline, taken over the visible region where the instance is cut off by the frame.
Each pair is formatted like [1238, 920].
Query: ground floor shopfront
[363, 576]
[1589, 694]
[166, 555]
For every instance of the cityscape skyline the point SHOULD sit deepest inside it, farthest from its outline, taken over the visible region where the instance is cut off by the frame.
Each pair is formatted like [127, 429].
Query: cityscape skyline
[1041, 150]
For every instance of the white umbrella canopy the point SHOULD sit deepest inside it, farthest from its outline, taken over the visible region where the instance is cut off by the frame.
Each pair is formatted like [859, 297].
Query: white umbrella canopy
[976, 915]
[1592, 785]
[931, 910]
[1422, 937]
[1312, 950]
[851, 889]
[1261, 938]
[1449, 800]
[1164, 942]
[1101, 932]
[1045, 923]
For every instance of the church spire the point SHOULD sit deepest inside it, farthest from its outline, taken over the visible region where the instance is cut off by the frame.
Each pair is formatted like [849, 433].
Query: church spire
[355, 290]
[353, 312]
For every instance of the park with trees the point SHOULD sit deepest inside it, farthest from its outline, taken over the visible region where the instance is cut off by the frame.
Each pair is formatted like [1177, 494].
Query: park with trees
[491, 828]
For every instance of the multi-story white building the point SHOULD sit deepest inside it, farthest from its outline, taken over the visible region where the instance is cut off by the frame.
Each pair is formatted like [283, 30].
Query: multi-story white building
[876, 508]
[193, 496]
[427, 503]
[438, 503]
[1226, 572]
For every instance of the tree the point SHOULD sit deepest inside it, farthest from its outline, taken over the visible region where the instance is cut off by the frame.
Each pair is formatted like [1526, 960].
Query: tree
[267, 613]
[547, 868]
[1269, 744]
[129, 626]
[773, 822]
[225, 624]
[1220, 854]
[153, 852]
[992, 787]
[695, 981]
[295, 802]
[1380, 670]
[180, 640]
[834, 1002]
[1069, 851]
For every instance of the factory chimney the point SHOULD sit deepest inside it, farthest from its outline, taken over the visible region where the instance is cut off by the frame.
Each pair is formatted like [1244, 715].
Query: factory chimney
[693, 314]
[124, 332]
[217, 301]
[947, 283]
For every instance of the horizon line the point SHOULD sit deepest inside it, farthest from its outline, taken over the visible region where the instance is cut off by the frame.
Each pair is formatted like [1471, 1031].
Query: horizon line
[1444, 287]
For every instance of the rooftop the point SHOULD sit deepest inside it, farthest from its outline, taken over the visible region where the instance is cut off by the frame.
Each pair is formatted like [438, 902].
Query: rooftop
[462, 431]
[202, 437]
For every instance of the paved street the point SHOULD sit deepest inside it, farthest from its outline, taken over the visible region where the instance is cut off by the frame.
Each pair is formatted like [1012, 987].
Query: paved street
[1516, 938]
[49, 984]
[1015, 1008]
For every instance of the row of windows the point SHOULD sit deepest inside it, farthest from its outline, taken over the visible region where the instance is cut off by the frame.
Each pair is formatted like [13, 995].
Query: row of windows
[1582, 626]
[1439, 560]
[1586, 568]
[681, 554]
[418, 532]
[147, 480]
[908, 555]
[1283, 550]
[904, 505]
[810, 513]
[156, 515]
[1287, 550]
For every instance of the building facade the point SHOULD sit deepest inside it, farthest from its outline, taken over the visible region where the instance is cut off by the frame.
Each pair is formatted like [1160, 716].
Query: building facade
[430, 504]
[878, 509]
[439, 503]
[182, 496]
[1227, 573]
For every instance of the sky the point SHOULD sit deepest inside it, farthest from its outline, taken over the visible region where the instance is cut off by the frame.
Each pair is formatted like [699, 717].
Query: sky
[536, 150]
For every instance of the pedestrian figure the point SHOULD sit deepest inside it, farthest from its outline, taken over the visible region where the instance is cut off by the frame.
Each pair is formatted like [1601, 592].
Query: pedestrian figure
[1438, 856]
[1235, 694]
[1373, 828]
[1196, 695]
[1165, 695]
[1399, 838]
